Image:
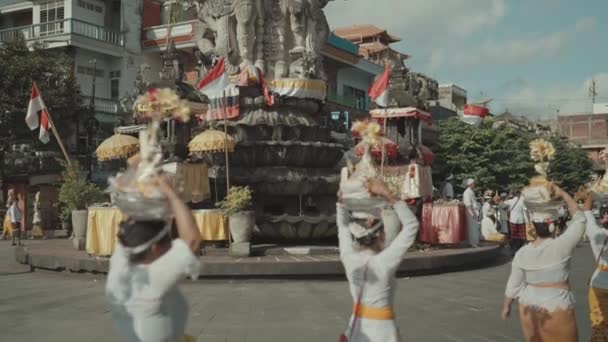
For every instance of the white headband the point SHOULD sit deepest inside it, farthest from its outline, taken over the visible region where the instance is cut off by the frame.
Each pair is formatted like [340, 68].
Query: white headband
[144, 246]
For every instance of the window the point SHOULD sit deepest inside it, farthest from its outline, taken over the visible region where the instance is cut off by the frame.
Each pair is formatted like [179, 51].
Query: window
[114, 88]
[51, 12]
[358, 97]
[98, 9]
[90, 6]
[85, 70]
[82, 4]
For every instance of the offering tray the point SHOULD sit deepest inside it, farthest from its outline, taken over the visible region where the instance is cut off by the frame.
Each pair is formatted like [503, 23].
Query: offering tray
[138, 207]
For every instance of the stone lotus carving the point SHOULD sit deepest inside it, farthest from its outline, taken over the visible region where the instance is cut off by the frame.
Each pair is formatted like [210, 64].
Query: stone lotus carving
[283, 38]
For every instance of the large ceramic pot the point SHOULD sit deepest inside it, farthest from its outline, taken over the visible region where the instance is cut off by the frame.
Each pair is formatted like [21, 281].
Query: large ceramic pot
[392, 225]
[79, 226]
[241, 226]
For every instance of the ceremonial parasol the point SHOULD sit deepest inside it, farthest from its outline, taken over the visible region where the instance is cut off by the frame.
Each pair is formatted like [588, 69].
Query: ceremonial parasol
[117, 146]
[376, 149]
[211, 141]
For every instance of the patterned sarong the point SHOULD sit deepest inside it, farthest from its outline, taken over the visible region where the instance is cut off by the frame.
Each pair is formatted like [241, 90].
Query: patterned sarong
[598, 313]
[517, 231]
[541, 325]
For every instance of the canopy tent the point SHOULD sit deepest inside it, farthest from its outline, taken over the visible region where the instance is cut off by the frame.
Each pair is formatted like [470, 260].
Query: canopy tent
[117, 146]
[391, 149]
[406, 112]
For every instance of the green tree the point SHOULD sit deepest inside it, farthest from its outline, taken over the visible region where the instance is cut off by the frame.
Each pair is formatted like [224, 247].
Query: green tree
[53, 72]
[571, 167]
[497, 158]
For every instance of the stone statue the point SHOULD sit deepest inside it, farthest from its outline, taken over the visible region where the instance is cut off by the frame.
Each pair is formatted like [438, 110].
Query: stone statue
[38, 230]
[238, 29]
[283, 38]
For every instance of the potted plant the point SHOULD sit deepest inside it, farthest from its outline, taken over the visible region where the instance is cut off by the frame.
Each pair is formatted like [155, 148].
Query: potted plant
[237, 207]
[75, 196]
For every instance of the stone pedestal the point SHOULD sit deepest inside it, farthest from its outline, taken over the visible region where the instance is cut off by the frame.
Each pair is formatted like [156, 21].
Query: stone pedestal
[240, 249]
[79, 243]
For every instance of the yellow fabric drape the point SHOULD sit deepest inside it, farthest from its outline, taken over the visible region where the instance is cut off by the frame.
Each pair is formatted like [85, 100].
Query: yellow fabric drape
[102, 228]
[212, 225]
[7, 226]
[188, 338]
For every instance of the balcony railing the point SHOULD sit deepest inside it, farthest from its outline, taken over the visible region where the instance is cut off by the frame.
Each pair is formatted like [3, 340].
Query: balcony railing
[31, 163]
[103, 105]
[181, 33]
[62, 27]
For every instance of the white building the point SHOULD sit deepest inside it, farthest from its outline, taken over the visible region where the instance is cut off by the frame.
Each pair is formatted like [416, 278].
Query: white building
[102, 35]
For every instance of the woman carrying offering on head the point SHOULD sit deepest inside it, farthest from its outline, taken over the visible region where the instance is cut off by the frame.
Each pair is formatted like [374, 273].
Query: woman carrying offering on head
[142, 291]
[539, 278]
[371, 266]
[598, 287]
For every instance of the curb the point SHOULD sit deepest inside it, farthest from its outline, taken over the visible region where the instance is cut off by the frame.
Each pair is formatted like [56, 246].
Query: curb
[415, 263]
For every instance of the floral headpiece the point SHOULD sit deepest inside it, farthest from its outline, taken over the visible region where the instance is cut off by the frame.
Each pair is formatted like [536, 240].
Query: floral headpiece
[542, 152]
[132, 191]
[368, 131]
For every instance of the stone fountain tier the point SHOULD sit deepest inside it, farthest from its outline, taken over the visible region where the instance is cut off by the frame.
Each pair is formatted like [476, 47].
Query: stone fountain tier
[296, 227]
[284, 181]
[278, 132]
[255, 154]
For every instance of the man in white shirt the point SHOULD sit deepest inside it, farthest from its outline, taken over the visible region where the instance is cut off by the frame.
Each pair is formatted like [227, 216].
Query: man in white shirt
[517, 221]
[472, 212]
[448, 190]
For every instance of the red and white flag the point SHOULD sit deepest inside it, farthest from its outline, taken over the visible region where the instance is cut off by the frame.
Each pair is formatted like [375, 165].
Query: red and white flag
[36, 106]
[267, 95]
[474, 115]
[379, 90]
[215, 82]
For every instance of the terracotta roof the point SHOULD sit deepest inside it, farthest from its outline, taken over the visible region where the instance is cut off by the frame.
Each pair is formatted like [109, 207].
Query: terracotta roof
[357, 32]
[368, 49]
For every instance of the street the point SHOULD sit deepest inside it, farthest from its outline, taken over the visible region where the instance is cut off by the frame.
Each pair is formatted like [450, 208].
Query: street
[462, 306]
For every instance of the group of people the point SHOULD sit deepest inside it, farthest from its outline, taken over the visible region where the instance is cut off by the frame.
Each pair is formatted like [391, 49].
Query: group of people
[499, 218]
[12, 227]
[147, 305]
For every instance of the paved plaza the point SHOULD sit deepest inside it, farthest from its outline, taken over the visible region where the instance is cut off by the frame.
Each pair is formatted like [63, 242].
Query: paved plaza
[461, 306]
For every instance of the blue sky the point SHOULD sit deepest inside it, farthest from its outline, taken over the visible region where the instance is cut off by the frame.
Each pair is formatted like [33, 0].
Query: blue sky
[533, 56]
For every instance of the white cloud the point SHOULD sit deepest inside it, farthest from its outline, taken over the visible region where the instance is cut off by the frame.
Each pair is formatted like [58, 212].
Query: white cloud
[542, 103]
[511, 51]
[420, 21]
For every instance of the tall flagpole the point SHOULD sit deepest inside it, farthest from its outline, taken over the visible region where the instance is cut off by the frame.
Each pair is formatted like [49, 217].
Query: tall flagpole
[225, 105]
[57, 137]
[382, 141]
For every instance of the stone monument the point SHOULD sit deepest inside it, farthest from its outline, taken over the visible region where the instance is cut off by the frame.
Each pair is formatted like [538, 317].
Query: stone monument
[282, 152]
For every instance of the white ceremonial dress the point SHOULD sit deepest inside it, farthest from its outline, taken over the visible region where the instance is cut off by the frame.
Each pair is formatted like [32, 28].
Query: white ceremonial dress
[379, 289]
[145, 302]
[472, 210]
[488, 226]
[597, 237]
[546, 263]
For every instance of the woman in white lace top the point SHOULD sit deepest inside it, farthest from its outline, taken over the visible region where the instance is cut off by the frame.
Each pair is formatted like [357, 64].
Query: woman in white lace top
[598, 287]
[370, 266]
[539, 279]
[145, 301]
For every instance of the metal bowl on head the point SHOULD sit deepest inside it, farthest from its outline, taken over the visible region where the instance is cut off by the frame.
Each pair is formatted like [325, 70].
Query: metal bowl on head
[138, 207]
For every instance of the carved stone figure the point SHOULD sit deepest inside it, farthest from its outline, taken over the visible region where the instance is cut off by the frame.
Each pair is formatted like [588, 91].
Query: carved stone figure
[277, 36]
[238, 28]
